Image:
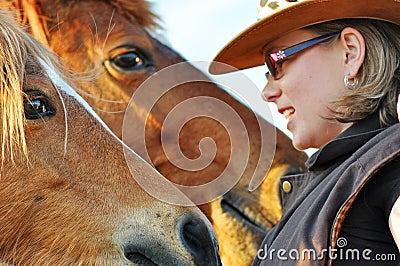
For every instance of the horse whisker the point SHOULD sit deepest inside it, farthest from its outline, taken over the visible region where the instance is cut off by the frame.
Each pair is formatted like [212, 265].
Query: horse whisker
[89, 95]
[109, 29]
[108, 112]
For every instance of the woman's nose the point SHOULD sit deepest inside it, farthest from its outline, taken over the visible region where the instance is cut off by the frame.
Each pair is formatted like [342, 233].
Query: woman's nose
[271, 91]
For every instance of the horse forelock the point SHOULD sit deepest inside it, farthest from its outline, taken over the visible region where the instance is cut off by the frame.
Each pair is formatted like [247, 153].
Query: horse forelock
[12, 65]
[17, 50]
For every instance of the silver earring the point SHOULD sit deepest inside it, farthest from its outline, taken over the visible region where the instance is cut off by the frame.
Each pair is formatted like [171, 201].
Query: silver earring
[350, 85]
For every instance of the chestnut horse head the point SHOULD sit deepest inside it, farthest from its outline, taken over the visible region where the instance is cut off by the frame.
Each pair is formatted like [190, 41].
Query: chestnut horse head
[111, 39]
[67, 196]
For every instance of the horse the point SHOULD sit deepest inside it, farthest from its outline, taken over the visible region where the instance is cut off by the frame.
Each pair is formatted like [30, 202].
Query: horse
[67, 196]
[111, 38]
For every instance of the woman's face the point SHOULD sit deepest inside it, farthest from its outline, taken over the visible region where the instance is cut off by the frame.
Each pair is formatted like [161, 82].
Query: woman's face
[310, 80]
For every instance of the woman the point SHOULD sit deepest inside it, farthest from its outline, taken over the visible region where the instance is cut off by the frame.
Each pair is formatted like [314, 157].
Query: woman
[333, 71]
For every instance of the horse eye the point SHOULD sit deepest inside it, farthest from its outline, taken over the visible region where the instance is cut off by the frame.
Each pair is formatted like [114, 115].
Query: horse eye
[37, 105]
[131, 60]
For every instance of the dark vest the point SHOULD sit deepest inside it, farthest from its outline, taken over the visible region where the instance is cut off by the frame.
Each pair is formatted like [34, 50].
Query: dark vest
[318, 201]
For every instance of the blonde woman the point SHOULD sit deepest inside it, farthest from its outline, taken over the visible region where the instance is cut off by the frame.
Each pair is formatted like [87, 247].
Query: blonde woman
[333, 72]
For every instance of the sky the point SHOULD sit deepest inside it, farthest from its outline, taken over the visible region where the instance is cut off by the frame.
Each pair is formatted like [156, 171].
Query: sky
[199, 29]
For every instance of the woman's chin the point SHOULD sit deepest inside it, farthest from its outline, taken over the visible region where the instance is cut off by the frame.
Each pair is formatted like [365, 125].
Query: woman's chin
[299, 143]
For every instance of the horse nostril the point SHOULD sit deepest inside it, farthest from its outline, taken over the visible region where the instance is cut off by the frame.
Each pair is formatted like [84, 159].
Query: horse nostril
[139, 259]
[196, 239]
[137, 256]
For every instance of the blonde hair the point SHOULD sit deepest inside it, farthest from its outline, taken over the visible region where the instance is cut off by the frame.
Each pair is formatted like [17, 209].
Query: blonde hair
[379, 76]
[17, 49]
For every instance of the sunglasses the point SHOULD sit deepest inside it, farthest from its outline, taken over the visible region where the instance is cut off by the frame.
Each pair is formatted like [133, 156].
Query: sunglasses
[274, 61]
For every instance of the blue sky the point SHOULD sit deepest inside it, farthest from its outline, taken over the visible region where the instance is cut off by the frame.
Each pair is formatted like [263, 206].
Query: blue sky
[199, 29]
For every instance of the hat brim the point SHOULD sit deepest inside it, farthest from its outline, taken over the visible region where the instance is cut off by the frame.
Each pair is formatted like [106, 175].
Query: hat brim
[244, 51]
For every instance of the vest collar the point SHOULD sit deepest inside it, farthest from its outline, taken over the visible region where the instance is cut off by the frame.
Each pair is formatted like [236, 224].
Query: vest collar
[345, 143]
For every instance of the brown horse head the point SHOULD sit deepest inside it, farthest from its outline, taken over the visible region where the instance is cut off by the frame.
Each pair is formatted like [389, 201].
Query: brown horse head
[67, 196]
[110, 39]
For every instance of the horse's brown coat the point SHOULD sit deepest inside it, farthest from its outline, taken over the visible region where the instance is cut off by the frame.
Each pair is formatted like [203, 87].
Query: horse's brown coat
[67, 196]
[87, 34]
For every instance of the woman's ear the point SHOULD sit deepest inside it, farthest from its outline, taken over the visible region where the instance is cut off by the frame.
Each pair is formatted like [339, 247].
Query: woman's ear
[354, 48]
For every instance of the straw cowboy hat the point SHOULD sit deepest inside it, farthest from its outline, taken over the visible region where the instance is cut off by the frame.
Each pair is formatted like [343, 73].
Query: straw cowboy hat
[280, 16]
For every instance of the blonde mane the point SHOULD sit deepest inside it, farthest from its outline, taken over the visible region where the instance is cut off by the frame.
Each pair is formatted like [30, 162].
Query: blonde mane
[17, 48]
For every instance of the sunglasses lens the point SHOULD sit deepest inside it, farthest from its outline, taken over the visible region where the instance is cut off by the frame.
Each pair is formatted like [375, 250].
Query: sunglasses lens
[270, 62]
